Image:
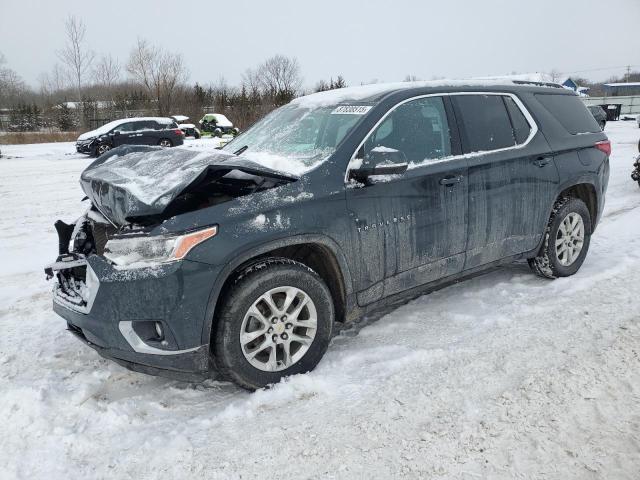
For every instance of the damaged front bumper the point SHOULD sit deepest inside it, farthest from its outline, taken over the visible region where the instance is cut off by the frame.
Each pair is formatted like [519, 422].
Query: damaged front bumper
[85, 146]
[151, 320]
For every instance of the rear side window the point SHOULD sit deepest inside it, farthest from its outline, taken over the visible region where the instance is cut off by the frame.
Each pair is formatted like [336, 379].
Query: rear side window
[570, 112]
[521, 128]
[486, 122]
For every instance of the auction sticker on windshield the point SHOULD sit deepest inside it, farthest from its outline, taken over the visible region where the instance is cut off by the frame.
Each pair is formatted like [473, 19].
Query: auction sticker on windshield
[351, 110]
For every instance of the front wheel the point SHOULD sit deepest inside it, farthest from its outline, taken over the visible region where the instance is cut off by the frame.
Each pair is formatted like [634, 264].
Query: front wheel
[567, 240]
[102, 148]
[276, 321]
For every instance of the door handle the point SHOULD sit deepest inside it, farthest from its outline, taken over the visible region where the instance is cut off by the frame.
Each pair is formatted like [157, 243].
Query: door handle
[450, 180]
[541, 161]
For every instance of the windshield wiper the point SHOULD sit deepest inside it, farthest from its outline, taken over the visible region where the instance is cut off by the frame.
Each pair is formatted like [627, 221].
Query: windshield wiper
[241, 150]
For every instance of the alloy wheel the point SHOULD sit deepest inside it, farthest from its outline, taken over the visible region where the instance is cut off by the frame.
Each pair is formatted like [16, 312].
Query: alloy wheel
[278, 329]
[570, 239]
[103, 149]
[165, 143]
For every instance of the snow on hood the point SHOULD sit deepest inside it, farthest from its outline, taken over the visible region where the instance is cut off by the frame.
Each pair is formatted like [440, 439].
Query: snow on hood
[137, 181]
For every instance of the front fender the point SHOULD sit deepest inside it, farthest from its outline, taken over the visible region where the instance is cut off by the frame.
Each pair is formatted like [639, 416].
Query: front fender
[245, 254]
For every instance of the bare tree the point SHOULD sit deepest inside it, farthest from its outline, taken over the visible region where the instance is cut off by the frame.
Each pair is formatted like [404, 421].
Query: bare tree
[555, 75]
[107, 71]
[53, 82]
[280, 77]
[160, 72]
[11, 84]
[75, 55]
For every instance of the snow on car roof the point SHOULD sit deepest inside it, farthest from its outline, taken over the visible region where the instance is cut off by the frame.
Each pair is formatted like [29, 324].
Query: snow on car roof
[108, 126]
[371, 92]
[221, 120]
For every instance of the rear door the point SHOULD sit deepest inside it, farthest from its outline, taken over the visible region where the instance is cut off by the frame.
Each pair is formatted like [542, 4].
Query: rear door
[512, 176]
[129, 133]
[149, 132]
[411, 228]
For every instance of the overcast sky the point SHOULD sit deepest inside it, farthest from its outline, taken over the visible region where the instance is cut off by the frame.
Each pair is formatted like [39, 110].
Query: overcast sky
[364, 40]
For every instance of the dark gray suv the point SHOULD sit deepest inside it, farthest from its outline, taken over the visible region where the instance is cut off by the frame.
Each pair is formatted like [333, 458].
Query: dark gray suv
[130, 131]
[239, 262]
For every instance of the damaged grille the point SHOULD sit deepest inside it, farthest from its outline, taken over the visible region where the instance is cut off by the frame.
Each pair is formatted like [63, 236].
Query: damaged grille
[101, 234]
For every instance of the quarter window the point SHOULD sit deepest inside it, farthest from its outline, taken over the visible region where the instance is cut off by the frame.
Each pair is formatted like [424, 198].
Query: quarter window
[486, 122]
[418, 128]
[521, 127]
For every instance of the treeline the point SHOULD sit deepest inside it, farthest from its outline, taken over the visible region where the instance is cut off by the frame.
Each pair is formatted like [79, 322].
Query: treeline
[85, 90]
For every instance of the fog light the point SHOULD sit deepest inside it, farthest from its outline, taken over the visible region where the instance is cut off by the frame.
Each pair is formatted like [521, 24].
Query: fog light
[159, 330]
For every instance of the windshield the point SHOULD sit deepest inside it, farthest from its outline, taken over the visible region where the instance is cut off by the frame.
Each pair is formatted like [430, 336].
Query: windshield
[296, 139]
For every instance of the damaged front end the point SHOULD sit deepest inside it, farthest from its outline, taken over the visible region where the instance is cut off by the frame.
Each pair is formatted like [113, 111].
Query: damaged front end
[123, 282]
[76, 283]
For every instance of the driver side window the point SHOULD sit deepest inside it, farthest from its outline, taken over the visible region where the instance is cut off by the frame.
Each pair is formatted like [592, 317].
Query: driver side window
[418, 129]
[125, 127]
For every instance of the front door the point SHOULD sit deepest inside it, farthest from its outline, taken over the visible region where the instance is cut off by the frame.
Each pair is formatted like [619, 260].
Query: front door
[411, 228]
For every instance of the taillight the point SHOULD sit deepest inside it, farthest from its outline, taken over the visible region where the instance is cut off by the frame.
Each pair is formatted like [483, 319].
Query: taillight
[604, 146]
[177, 131]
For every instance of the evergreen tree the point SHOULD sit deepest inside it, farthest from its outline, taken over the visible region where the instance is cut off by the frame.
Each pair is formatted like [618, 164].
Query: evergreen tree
[65, 119]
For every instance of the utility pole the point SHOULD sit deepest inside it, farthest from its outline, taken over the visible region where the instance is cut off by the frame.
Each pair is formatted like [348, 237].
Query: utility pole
[628, 73]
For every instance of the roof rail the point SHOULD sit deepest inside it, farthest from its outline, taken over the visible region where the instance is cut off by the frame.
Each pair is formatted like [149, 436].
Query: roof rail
[541, 84]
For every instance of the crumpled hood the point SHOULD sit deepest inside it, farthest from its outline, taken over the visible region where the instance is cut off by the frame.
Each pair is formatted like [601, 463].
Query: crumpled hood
[139, 181]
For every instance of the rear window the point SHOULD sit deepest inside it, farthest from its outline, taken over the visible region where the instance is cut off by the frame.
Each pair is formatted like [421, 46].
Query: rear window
[570, 112]
[486, 122]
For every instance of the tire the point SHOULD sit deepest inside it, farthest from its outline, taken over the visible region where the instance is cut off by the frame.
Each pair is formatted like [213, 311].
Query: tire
[196, 135]
[217, 132]
[102, 149]
[232, 359]
[552, 261]
[165, 142]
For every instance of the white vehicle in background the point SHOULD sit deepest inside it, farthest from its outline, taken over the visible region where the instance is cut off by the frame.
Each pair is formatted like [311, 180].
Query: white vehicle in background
[217, 124]
[189, 129]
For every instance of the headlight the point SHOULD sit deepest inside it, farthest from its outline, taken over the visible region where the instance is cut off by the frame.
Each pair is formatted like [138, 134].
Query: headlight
[138, 252]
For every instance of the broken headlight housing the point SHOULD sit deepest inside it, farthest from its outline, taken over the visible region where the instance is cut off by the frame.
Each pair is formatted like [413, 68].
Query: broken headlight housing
[146, 251]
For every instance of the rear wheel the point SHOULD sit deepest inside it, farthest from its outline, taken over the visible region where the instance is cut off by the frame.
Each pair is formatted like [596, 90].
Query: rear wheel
[276, 321]
[165, 142]
[567, 240]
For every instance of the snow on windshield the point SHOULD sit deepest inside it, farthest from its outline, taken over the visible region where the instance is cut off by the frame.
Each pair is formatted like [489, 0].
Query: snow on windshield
[297, 139]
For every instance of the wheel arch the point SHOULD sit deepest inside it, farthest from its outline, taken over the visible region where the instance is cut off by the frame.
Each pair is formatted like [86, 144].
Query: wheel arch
[587, 192]
[318, 252]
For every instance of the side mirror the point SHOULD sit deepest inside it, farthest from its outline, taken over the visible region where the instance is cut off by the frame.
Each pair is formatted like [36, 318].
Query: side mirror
[380, 161]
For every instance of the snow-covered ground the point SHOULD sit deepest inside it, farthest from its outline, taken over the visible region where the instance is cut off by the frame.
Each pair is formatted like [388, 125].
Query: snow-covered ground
[503, 376]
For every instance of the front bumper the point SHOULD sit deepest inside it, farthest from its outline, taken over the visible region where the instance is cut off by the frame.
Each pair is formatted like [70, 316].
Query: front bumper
[117, 306]
[84, 147]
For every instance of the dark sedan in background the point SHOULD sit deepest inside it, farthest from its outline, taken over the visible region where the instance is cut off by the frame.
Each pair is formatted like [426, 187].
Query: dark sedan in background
[130, 131]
